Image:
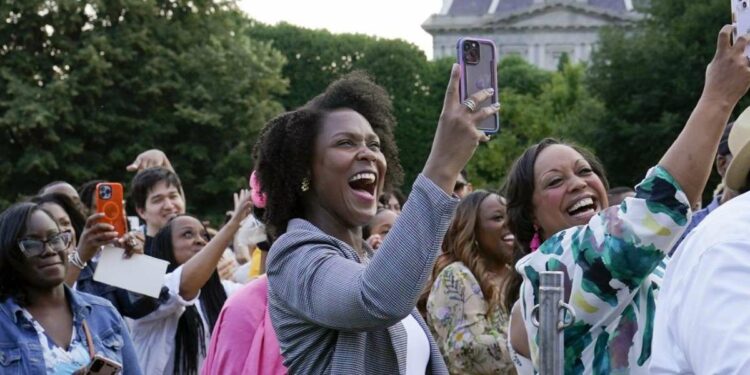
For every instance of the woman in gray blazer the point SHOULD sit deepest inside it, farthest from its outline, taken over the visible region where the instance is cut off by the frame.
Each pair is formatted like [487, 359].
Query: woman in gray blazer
[336, 308]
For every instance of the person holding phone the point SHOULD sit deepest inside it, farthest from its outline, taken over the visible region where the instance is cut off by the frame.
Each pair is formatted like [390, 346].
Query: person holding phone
[614, 258]
[335, 307]
[46, 327]
[173, 338]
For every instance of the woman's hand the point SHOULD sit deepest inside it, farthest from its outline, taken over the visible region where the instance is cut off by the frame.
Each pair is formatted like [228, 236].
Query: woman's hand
[375, 241]
[226, 267]
[243, 206]
[728, 74]
[457, 136]
[133, 242]
[95, 235]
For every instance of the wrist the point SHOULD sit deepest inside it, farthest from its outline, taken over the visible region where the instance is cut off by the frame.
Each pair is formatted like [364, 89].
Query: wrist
[75, 260]
[717, 101]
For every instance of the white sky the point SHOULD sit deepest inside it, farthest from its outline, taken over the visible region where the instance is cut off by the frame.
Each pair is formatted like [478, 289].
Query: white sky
[391, 19]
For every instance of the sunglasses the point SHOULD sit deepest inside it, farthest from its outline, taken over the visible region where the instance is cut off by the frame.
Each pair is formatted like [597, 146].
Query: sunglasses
[58, 242]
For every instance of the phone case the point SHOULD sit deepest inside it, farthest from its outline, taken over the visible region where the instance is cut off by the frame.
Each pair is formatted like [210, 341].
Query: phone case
[109, 200]
[741, 20]
[479, 72]
[103, 366]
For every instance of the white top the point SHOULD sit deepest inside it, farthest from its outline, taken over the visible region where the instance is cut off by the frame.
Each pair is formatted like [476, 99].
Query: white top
[417, 347]
[154, 334]
[702, 325]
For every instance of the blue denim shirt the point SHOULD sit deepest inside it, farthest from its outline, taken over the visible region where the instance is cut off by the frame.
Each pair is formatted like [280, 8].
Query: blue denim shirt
[21, 353]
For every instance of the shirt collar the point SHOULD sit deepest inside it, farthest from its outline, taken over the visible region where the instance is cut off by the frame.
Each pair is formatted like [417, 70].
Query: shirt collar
[78, 306]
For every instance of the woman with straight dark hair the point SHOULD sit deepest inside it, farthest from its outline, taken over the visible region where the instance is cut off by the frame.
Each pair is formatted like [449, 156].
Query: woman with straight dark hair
[46, 327]
[173, 339]
[613, 258]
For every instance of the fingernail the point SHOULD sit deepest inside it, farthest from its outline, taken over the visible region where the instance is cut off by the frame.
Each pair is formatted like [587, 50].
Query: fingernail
[490, 91]
[496, 105]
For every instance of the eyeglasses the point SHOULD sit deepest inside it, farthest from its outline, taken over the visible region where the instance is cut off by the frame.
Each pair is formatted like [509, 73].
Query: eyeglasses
[59, 242]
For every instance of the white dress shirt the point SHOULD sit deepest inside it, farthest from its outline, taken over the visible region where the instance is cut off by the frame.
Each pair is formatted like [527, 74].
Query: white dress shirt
[702, 323]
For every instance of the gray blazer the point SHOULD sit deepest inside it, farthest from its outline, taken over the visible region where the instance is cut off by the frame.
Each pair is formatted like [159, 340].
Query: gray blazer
[334, 315]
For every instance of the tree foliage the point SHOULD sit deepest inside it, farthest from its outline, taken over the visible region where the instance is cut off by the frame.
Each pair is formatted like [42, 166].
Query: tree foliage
[317, 57]
[650, 79]
[87, 85]
[535, 104]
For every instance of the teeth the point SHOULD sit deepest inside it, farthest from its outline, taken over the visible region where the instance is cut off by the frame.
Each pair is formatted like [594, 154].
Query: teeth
[582, 203]
[369, 177]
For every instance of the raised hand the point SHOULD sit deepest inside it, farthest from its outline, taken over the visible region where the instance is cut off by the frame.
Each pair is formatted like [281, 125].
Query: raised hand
[95, 235]
[148, 159]
[457, 136]
[728, 74]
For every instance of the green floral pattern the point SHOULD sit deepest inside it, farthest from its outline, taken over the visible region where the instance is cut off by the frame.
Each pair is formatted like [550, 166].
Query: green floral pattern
[613, 267]
[471, 342]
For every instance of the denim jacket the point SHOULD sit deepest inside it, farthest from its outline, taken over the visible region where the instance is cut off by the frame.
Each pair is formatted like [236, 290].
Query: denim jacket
[21, 353]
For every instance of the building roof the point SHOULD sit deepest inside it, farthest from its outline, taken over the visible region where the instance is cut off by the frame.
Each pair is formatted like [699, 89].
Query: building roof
[482, 7]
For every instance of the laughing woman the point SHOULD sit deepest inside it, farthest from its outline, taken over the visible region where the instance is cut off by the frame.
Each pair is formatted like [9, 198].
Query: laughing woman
[613, 258]
[335, 307]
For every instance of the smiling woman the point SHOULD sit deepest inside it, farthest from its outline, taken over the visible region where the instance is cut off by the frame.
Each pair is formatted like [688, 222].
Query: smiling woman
[613, 258]
[337, 308]
[40, 317]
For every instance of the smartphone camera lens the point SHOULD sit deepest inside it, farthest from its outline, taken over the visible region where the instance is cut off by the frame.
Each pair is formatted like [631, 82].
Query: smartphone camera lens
[105, 192]
[471, 52]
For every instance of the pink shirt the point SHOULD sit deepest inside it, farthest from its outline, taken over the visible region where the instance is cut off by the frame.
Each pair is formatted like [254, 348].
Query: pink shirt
[243, 341]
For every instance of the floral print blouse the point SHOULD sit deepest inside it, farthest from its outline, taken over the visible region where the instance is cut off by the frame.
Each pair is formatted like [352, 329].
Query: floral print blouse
[471, 341]
[613, 267]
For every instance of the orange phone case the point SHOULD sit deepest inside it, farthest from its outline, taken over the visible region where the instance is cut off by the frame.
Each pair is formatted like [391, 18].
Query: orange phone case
[109, 201]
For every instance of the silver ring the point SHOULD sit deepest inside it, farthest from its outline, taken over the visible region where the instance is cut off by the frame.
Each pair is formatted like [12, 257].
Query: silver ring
[132, 242]
[470, 104]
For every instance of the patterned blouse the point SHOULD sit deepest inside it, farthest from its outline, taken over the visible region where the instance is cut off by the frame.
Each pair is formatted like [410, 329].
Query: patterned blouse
[57, 360]
[613, 268]
[471, 342]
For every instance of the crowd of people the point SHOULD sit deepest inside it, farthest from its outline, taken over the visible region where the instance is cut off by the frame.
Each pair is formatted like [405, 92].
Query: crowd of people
[324, 267]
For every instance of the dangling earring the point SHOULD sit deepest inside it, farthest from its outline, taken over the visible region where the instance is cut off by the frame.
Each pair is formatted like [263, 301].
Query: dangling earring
[305, 185]
[536, 241]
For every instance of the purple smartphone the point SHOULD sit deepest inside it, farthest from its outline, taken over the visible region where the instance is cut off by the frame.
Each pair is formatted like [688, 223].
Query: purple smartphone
[478, 62]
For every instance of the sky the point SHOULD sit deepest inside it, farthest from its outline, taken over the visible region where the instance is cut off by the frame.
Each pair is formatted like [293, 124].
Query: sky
[392, 19]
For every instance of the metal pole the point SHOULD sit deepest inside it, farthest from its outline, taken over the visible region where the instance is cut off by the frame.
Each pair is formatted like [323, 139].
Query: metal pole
[546, 316]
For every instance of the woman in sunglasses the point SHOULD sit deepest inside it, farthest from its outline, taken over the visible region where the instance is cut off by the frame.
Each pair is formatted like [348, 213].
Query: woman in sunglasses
[46, 327]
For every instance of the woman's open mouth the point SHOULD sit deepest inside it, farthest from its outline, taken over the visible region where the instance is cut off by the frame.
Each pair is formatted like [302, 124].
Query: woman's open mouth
[584, 208]
[364, 185]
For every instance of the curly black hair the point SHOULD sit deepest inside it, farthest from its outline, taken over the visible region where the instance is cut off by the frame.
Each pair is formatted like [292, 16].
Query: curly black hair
[283, 153]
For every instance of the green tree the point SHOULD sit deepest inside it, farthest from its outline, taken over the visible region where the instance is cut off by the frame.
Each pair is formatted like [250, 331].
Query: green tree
[86, 85]
[318, 57]
[535, 104]
[649, 79]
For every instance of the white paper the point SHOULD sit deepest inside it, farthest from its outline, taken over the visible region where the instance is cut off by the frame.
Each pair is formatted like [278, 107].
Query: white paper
[141, 273]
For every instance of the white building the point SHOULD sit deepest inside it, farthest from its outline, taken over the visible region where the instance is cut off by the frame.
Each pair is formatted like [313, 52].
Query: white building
[539, 30]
